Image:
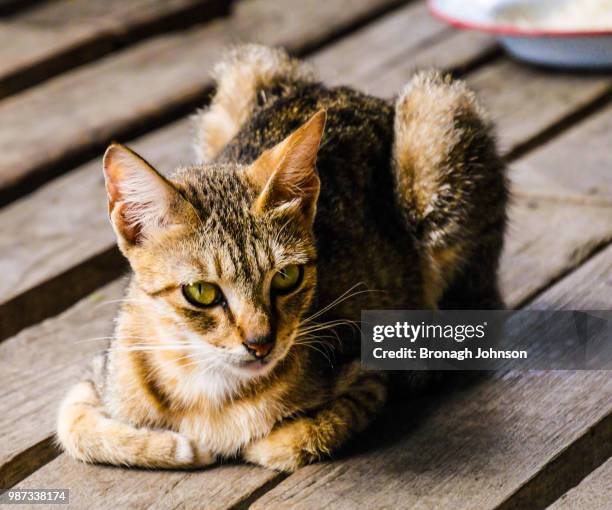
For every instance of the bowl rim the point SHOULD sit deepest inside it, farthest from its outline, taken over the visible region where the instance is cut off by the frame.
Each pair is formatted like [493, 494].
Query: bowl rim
[510, 30]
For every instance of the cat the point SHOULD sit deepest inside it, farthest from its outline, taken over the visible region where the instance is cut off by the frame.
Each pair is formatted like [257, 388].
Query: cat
[238, 336]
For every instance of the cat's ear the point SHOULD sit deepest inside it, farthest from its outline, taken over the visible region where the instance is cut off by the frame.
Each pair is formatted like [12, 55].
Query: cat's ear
[286, 174]
[140, 200]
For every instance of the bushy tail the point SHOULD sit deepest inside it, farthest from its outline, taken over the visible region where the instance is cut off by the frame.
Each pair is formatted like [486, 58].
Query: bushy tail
[451, 188]
[240, 77]
[86, 432]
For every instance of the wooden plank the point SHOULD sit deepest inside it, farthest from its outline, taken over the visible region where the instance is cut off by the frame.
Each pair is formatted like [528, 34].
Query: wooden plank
[545, 240]
[593, 493]
[50, 355]
[562, 210]
[511, 92]
[55, 36]
[456, 51]
[573, 167]
[57, 243]
[354, 60]
[102, 487]
[513, 441]
[525, 101]
[68, 117]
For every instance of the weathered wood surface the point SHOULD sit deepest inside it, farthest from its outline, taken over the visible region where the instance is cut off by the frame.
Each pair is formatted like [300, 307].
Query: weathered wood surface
[557, 170]
[398, 36]
[55, 36]
[562, 207]
[65, 117]
[593, 493]
[57, 244]
[220, 487]
[48, 356]
[514, 441]
[545, 240]
[525, 103]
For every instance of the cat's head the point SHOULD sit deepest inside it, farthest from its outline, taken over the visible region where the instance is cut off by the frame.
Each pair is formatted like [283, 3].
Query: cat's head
[224, 255]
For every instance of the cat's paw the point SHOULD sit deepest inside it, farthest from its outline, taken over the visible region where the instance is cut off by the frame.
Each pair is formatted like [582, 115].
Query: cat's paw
[282, 450]
[192, 454]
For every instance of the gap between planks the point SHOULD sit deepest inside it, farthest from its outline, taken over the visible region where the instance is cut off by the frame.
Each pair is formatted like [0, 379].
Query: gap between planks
[57, 125]
[57, 36]
[11, 7]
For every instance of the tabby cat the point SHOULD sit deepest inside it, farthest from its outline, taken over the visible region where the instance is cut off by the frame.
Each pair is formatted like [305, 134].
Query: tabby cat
[250, 268]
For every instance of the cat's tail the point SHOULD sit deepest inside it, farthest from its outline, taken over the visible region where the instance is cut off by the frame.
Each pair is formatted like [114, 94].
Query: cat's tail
[86, 432]
[452, 189]
[241, 78]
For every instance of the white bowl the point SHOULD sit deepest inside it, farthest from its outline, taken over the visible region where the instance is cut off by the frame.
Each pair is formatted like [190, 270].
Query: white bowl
[580, 49]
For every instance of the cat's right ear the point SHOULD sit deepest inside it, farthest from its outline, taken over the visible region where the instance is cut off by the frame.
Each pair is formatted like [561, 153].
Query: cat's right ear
[140, 200]
[286, 174]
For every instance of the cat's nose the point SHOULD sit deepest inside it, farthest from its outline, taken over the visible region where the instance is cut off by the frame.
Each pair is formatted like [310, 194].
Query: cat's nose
[259, 346]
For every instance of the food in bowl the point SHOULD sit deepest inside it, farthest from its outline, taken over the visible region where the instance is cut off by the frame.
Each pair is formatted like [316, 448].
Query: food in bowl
[558, 16]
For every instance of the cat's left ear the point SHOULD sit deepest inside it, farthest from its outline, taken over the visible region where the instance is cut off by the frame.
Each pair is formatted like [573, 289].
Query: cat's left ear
[141, 201]
[286, 174]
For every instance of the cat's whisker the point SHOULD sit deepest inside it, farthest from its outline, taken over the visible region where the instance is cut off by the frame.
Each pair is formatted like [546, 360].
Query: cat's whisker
[343, 297]
[151, 348]
[94, 339]
[326, 344]
[310, 346]
[329, 326]
[116, 337]
[125, 300]
[332, 304]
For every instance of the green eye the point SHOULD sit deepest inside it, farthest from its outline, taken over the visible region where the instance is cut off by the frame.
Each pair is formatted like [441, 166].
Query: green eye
[287, 279]
[202, 294]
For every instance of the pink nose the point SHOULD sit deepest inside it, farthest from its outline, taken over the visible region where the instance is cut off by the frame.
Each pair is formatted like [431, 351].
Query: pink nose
[259, 347]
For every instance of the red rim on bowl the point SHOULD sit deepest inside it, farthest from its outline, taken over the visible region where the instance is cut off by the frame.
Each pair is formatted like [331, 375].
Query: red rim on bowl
[511, 30]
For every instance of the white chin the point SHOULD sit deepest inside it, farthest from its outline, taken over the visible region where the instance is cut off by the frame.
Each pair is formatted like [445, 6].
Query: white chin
[253, 368]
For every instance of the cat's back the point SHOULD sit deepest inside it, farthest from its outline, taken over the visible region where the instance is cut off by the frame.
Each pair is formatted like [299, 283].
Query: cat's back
[354, 161]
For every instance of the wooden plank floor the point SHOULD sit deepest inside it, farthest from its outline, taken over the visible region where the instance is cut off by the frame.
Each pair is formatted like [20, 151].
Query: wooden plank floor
[513, 440]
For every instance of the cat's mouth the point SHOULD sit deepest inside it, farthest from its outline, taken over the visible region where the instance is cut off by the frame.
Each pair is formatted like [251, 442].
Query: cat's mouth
[255, 366]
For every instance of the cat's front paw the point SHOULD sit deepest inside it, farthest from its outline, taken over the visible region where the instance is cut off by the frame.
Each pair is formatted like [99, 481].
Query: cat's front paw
[282, 450]
[191, 453]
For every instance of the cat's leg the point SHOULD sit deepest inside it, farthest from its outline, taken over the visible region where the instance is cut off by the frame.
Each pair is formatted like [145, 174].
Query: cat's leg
[86, 432]
[359, 398]
[240, 78]
[451, 190]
